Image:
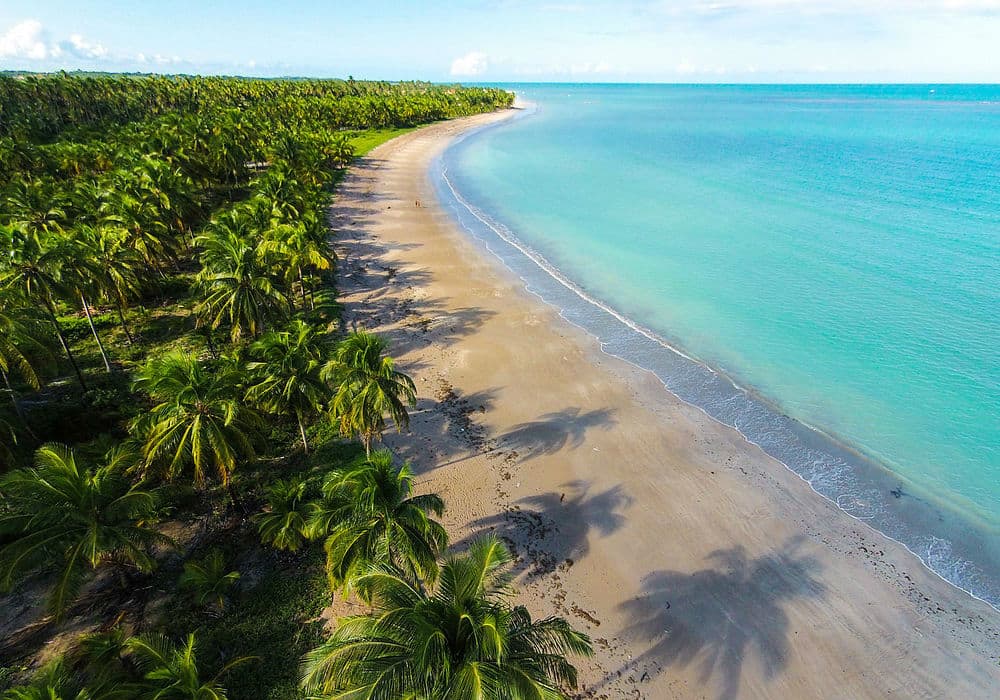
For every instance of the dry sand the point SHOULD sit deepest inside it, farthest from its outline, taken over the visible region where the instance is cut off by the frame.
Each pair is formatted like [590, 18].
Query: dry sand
[701, 567]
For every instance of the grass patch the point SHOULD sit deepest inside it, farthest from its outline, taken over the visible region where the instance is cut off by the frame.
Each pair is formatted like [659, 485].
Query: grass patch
[274, 616]
[365, 141]
[276, 620]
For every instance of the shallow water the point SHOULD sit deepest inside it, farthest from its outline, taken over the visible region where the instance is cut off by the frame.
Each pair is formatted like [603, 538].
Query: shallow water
[816, 266]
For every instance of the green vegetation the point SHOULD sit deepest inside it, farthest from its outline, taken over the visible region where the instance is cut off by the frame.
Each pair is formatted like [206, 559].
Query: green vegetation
[180, 498]
[461, 640]
[368, 516]
[74, 519]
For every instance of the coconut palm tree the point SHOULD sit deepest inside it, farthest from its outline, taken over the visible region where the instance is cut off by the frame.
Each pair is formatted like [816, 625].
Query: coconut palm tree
[23, 346]
[368, 388]
[62, 515]
[34, 206]
[197, 419]
[299, 248]
[460, 641]
[237, 287]
[368, 515]
[31, 267]
[209, 580]
[142, 217]
[283, 524]
[116, 266]
[171, 670]
[81, 278]
[54, 682]
[64, 679]
[285, 374]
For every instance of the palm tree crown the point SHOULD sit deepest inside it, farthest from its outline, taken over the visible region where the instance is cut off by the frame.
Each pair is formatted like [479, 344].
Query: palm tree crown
[171, 670]
[72, 517]
[22, 341]
[283, 524]
[237, 285]
[368, 388]
[286, 373]
[460, 642]
[369, 515]
[197, 420]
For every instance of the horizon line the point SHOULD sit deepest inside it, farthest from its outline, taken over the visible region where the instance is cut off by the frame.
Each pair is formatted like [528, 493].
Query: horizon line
[678, 83]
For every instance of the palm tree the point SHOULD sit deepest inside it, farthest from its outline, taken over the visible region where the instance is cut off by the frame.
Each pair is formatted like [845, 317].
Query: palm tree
[74, 518]
[54, 682]
[142, 218]
[285, 373]
[116, 266]
[81, 277]
[198, 419]
[34, 207]
[368, 388]
[208, 580]
[283, 524]
[460, 641]
[22, 346]
[368, 515]
[235, 281]
[171, 670]
[31, 267]
[299, 248]
[63, 680]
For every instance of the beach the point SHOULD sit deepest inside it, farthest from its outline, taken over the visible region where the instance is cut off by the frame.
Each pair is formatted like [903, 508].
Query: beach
[700, 566]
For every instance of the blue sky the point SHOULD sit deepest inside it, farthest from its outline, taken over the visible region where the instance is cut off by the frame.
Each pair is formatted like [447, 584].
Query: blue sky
[516, 40]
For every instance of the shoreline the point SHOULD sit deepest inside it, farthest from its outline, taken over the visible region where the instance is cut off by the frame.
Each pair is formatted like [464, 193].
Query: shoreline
[965, 537]
[528, 428]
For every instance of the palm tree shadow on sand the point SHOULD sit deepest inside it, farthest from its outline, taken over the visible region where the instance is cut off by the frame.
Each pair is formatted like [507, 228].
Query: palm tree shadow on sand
[718, 616]
[552, 432]
[554, 528]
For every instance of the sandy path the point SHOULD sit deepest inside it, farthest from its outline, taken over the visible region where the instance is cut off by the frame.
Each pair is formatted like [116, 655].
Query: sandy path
[701, 567]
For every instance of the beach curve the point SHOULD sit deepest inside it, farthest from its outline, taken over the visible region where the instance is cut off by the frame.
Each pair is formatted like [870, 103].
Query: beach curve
[756, 588]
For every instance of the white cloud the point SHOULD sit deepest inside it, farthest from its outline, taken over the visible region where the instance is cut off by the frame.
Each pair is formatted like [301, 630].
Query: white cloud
[590, 68]
[25, 40]
[162, 60]
[28, 43]
[685, 67]
[81, 48]
[472, 63]
[563, 69]
[28, 40]
[715, 8]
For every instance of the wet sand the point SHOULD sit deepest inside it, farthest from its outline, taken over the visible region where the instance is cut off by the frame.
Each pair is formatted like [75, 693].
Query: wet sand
[701, 567]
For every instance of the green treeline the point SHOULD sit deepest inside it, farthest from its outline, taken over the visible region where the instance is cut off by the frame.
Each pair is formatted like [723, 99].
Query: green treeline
[42, 107]
[188, 434]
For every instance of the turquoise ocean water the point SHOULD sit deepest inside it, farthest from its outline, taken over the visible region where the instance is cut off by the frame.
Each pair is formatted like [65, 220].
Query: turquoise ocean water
[818, 266]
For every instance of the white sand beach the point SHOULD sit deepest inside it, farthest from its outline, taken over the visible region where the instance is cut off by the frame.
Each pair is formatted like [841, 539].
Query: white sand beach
[701, 567]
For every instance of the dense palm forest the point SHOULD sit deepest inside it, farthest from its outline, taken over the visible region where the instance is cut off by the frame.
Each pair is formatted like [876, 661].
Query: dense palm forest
[188, 436]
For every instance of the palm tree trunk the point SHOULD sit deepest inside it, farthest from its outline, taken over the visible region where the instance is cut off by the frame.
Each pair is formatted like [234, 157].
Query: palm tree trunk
[121, 315]
[17, 406]
[302, 289]
[302, 432]
[211, 344]
[367, 439]
[90, 320]
[63, 343]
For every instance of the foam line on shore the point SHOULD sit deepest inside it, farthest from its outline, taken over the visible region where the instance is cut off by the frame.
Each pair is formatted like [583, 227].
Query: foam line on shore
[825, 469]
